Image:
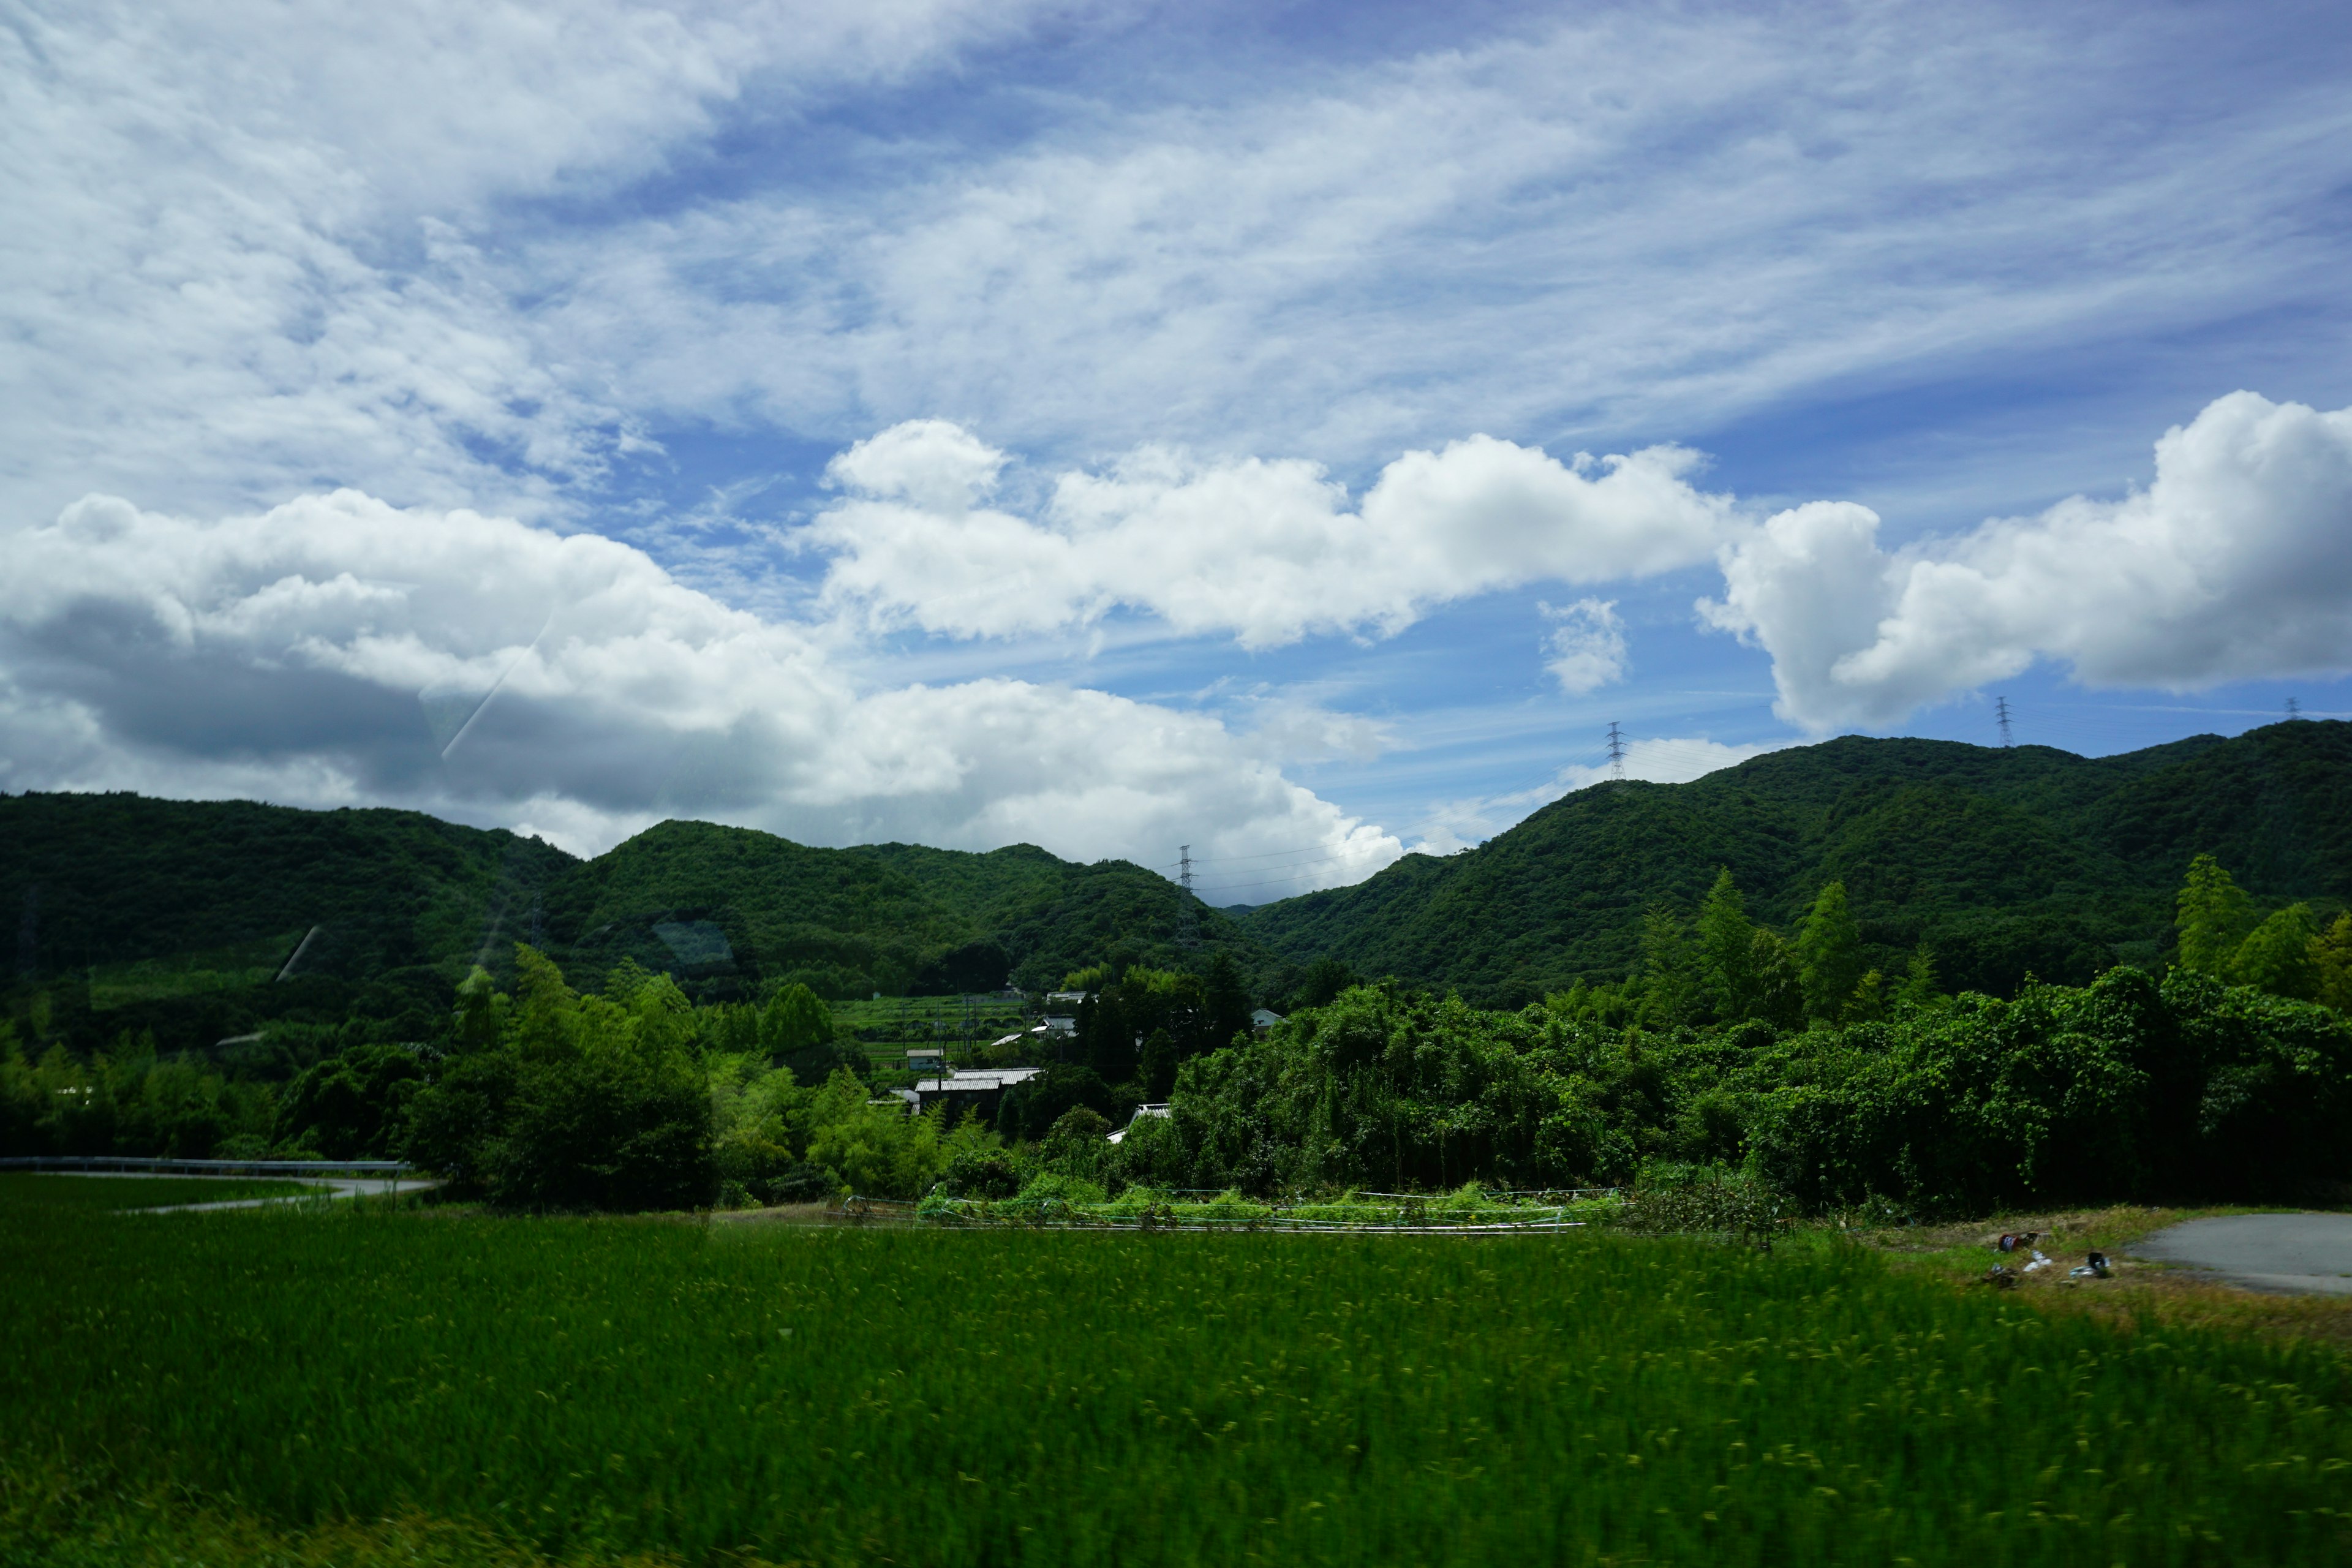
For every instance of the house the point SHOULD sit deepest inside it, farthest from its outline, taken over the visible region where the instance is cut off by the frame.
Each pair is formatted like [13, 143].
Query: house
[926, 1058]
[1141, 1112]
[1060, 1023]
[970, 1089]
[1064, 998]
[1263, 1018]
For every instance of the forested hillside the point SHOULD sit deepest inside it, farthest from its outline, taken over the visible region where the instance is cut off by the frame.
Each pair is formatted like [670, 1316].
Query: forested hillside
[199, 922]
[2004, 861]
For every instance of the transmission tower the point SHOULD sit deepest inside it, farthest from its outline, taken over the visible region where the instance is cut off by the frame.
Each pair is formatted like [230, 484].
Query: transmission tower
[2294, 708]
[1190, 933]
[2001, 711]
[1616, 751]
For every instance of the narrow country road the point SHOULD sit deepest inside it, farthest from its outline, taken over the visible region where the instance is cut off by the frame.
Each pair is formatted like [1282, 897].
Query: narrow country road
[2306, 1253]
[327, 1187]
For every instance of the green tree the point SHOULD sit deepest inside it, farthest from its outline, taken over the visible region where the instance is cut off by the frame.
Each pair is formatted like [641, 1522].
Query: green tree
[1669, 982]
[1829, 955]
[794, 1019]
[2214, 917]
[1920, 986]
[478, 1020]
[2282, 956]
[1776, 981]
[2332, 954]
[796, 1030]
[1224, 1001]
[1325, 979]
[1727, 939]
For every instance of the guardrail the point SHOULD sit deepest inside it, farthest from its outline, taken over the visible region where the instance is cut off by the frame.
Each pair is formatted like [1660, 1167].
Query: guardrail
[208, 1167]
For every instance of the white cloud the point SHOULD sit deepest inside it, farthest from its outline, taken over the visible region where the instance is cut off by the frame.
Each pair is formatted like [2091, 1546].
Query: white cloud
[1267, 550]
[2235, 562]
[327, 652]
[257, 248]
[1621, 221]
[1459, 824]
[1588, 650]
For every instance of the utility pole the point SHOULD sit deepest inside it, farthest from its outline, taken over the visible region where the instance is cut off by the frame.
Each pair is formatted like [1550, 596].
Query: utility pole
[1616, 751]
[2001, 711]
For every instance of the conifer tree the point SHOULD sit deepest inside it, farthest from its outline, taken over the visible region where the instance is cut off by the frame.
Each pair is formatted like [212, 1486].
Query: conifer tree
[1726, 940]
[1920, 986]
[1666, 980]
[2214, 917]
[1829, 955]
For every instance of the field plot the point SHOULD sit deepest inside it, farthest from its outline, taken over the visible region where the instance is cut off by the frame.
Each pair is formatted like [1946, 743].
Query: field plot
[323, 1387]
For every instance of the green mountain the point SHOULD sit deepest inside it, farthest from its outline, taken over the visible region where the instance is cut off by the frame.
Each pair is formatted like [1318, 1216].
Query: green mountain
[699, 899]
[2004, 861]
[202, 919]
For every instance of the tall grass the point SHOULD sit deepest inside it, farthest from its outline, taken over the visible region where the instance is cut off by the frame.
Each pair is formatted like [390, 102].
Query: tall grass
[595, 1387]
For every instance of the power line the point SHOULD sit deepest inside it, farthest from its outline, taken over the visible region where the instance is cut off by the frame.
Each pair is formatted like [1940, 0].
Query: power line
[1616, 752]
[1184, 861]
[2294, 708]
[2000, 710]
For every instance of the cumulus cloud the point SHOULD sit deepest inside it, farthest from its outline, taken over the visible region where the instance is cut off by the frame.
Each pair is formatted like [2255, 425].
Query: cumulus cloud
[1588, 649]
[1267, 549]
[2235, 562]
[336, 650]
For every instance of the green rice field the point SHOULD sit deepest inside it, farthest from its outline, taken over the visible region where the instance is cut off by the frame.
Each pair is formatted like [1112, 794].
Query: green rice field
[361, 1384]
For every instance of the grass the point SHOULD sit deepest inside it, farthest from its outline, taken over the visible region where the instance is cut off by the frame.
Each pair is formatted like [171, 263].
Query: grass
[51, 1192]
[2166, 1295]
[360, 1385]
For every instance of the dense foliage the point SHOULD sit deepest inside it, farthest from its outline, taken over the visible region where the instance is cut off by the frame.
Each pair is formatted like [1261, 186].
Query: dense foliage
[2005, 861]
[2127, 1088]
[589, 1389]
[1731, 1047]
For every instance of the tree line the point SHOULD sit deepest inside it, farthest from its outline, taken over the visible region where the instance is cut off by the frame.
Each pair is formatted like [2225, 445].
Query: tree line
[1730, 1046]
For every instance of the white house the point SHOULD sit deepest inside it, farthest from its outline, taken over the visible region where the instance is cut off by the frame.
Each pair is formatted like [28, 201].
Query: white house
[1141, 1112]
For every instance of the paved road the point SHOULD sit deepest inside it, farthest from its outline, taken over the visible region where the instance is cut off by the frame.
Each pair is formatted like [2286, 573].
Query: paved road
[321, 1186]
[2307, 1254]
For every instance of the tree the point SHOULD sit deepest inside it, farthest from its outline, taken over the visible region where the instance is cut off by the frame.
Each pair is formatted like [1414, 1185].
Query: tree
[1726, 938]
[1320, 987]
[350, 1106]
[1829, 955]
[1919, 984]
[1224, 1001]
[2214, 917]
[2332, 953]
[794, 1019]
[796, 1030]
[1669, 986]
[2282, 956]
[1775, 982]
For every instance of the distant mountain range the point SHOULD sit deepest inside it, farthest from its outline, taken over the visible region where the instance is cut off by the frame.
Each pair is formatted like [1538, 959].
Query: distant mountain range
[2003, 860]
[196, 918]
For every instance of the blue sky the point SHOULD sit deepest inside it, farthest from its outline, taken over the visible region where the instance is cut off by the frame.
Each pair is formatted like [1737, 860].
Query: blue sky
[1118, 427]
